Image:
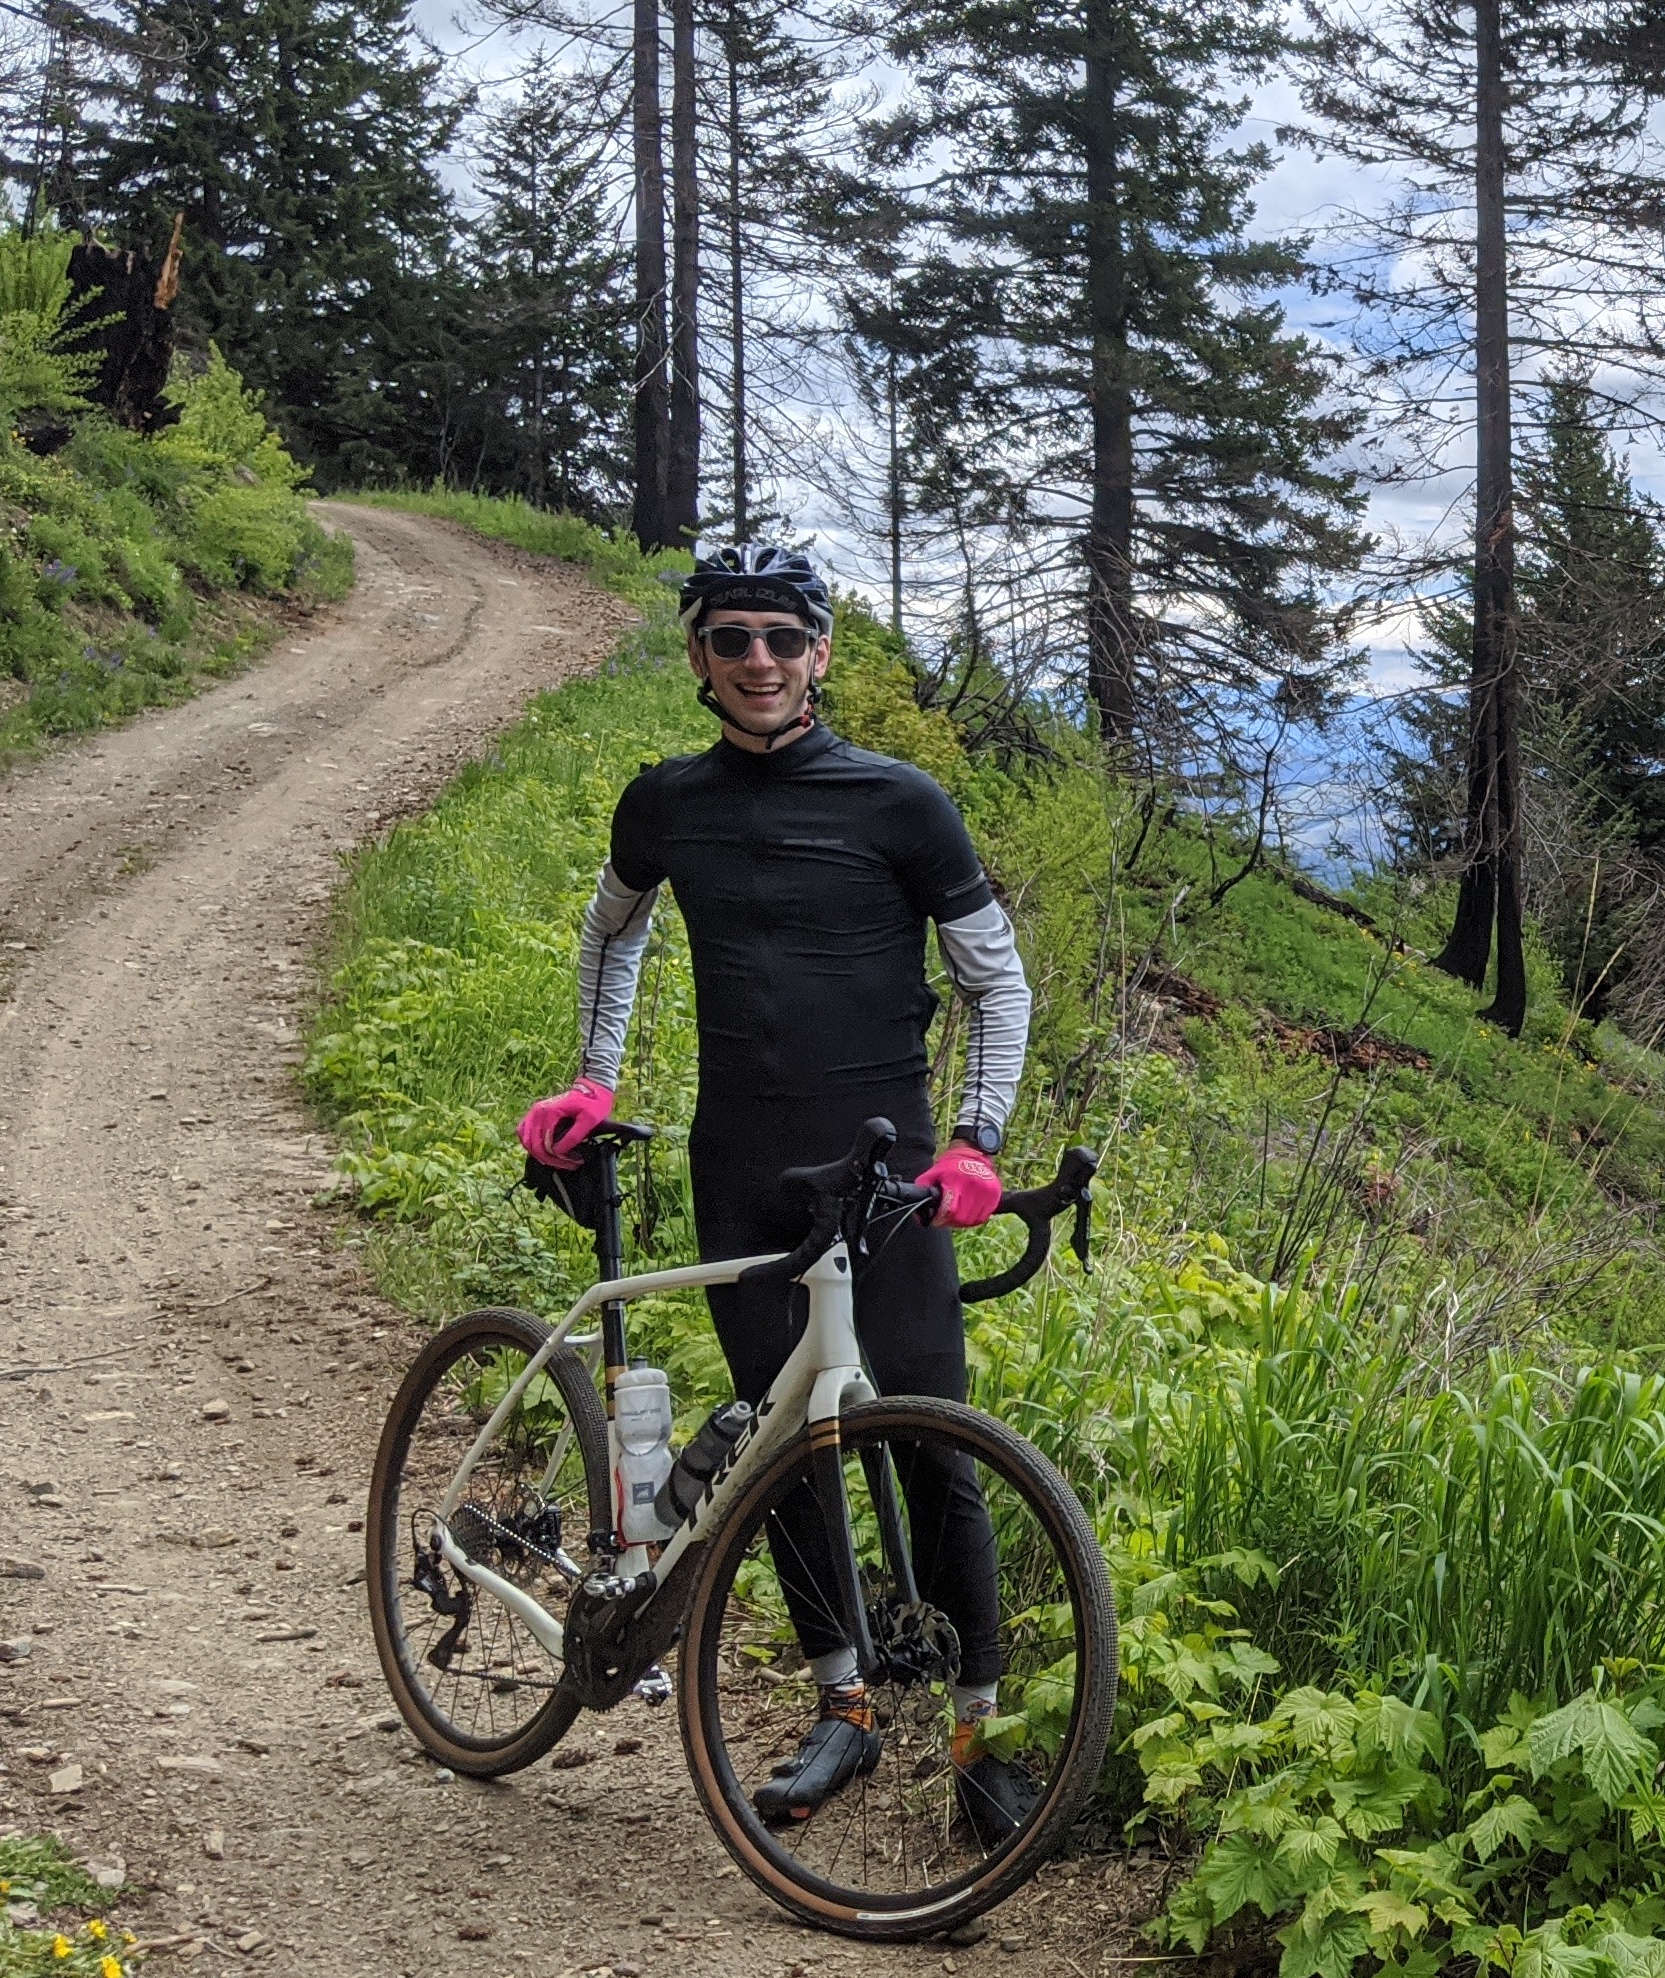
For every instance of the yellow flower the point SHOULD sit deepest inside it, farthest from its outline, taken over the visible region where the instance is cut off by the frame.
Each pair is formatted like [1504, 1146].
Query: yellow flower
[61, 1946]
[108, 1968]
[97, 1931]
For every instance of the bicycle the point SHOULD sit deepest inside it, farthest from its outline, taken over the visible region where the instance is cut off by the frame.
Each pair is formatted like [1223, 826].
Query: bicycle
[493, 1637]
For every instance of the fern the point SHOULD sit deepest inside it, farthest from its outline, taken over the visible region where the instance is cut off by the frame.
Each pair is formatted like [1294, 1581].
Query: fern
[40, 370]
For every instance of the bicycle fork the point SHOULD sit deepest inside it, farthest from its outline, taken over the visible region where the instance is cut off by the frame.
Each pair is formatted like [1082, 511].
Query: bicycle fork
[827, 1469]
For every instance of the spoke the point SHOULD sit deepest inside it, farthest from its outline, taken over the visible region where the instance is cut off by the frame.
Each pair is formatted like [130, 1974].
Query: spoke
[897, 1829]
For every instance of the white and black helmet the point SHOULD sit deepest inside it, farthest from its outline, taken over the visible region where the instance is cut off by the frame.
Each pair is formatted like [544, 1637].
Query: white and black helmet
[756, 577]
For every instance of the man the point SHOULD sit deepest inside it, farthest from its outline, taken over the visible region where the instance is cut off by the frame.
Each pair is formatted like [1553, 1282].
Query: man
[805, 870]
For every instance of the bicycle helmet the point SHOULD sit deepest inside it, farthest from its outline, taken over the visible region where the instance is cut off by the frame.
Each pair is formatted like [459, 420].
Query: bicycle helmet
[756, 577]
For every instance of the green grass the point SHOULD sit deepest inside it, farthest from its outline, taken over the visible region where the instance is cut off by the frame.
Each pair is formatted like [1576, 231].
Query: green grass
[68, 1940]
[133, 568]
[613, 560]
[1340, 1394]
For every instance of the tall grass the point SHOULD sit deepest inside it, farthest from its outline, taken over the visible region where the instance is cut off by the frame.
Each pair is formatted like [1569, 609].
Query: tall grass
[1459, 1535]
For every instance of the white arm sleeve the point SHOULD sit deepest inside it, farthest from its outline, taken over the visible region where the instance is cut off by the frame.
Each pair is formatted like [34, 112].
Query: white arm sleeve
[981, 956]
[616, 924]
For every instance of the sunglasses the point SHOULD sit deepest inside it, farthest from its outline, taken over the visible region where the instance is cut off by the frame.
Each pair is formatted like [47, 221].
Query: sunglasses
[735, 641]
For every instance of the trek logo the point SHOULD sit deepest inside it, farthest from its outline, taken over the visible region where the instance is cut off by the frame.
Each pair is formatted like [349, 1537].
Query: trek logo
[720, 1475]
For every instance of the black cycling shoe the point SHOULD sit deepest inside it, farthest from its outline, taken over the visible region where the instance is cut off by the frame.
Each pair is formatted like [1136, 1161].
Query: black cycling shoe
[840, 1746]
[996, 1796]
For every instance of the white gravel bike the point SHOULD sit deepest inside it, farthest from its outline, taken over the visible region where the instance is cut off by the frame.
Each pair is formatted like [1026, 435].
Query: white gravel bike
[497, 1464]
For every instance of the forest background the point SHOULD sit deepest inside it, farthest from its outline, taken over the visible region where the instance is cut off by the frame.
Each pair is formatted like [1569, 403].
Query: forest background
[1363, 1396]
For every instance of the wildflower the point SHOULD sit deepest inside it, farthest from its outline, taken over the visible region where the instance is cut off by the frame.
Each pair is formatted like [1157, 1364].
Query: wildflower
[108, 1967]
[97, 1931]
[61, 1946]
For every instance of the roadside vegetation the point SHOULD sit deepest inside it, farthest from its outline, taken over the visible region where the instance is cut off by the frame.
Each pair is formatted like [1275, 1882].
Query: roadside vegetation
[1360, 1391]
[132, 565]
[50, 1916]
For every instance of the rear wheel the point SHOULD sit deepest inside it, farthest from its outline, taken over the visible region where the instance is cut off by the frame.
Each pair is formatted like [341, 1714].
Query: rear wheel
[893, 1855]
[469, 1676]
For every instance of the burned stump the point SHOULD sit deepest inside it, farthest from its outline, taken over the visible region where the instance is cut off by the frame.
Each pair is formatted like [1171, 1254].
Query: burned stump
[127, 303]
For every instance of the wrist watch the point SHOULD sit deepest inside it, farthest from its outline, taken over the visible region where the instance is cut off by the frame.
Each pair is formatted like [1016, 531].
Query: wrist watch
[986, 1139]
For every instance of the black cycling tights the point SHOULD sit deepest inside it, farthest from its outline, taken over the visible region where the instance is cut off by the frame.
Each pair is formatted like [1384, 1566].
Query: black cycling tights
[912, 1336]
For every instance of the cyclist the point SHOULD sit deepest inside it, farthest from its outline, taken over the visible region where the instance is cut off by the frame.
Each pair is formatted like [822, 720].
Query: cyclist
[805, 870]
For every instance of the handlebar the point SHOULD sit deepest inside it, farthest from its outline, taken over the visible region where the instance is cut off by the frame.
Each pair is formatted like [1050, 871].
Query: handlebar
[841, 1196]
[1071, 1187]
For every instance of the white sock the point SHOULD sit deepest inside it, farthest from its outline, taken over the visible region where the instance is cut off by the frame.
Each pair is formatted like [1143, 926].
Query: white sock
[834, 1669]
[974, 1700]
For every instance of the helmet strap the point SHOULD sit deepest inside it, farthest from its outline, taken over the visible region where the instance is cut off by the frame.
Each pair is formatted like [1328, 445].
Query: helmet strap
[768, 737]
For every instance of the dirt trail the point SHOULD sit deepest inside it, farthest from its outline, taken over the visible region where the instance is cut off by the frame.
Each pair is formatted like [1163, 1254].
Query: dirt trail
[189, 1468]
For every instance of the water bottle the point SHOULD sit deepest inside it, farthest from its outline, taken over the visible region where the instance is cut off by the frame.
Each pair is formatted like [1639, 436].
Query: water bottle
[700, 1462]
[642, 1421]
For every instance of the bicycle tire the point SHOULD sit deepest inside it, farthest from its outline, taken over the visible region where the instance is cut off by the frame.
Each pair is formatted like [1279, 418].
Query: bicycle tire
[864, 1913]
[468, 1341]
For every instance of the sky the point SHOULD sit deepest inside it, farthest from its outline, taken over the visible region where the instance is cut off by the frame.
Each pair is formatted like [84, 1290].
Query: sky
[1302, 195]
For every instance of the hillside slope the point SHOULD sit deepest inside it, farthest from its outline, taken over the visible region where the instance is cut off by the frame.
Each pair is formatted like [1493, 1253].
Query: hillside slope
[1260, 1068]
[1384, 1511]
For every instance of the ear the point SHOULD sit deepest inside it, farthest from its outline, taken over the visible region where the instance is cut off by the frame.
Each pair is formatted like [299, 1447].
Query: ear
[696, 659]
[822, 659]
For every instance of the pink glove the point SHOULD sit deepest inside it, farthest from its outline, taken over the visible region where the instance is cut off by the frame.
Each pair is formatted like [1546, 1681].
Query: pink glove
[970, 1188]
[555, 1127]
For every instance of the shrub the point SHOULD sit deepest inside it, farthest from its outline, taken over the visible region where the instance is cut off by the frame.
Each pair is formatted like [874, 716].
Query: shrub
[115, 545]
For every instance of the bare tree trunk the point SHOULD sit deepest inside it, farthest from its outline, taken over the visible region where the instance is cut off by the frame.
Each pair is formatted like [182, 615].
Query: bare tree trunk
[737, 305]
[1112, 626]
[895, 494]
[538, 477]
[1489, 891]
[652, 394]
[682, 478]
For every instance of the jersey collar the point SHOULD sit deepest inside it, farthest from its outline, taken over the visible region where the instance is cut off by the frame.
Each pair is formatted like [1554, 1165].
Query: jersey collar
[777, 761]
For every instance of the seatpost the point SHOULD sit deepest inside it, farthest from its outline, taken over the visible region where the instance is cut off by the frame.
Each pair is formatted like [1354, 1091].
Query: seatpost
[609, 1257]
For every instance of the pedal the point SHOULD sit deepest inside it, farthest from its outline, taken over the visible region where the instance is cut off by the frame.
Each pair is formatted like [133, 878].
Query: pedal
[655, 1688]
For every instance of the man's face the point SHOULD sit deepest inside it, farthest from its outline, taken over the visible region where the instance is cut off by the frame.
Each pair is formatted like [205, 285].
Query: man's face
[758, 690]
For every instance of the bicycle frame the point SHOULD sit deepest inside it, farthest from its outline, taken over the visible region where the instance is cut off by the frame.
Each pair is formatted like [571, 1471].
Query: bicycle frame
[821, 1375]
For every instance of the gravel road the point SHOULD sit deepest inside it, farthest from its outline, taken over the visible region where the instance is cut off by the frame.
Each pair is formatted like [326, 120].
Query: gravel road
[193, 1371]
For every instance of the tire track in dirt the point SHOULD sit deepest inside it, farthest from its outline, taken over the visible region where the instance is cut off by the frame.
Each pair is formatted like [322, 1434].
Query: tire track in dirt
[190, 1473]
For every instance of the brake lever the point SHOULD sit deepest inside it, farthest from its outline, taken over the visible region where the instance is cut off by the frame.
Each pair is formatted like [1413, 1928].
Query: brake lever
[1081, 1235]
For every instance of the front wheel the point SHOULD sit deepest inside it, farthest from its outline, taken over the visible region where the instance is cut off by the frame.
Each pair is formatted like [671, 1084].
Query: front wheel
[469, 1676]
[1015, 1586]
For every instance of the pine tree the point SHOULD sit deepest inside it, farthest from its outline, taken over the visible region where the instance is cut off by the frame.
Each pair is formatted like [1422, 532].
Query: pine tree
[1085, 316]
[1512, 123]
[1592, 644]
[549, 307]
[768, 125]
[299, 138]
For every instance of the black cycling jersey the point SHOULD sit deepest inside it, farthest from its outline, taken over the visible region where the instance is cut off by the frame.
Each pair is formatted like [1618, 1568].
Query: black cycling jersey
[805, 877]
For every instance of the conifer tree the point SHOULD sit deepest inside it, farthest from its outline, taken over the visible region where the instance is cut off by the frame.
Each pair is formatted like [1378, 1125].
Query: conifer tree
[1522, 140]
[768, 125]
[299, 138]
[1103, 340]
[549, 309]
[1589, 639]
[1592, 647]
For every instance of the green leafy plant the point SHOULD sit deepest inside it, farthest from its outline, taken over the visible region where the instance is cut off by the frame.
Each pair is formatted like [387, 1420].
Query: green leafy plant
[43, 1875]
[41, 370]
[1329, 1819]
